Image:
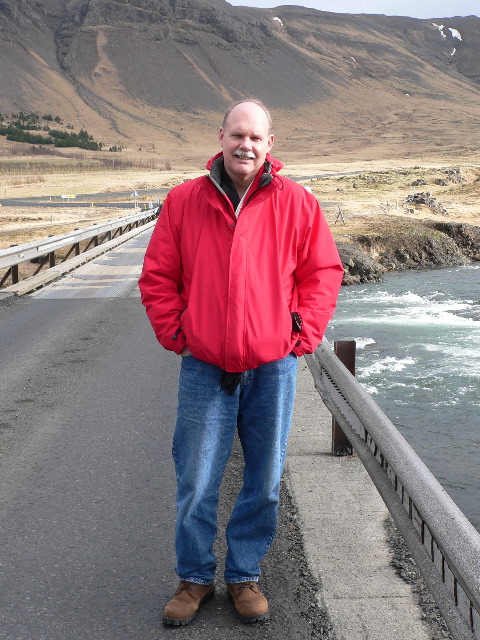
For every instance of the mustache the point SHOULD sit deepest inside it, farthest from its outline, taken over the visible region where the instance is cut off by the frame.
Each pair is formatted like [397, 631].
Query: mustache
[244, 155]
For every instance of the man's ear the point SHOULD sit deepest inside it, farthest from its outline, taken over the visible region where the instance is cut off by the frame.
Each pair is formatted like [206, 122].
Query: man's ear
[220, 136]
[271, 140]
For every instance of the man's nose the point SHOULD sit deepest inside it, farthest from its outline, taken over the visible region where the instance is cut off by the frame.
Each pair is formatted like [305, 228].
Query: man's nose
[246, 143]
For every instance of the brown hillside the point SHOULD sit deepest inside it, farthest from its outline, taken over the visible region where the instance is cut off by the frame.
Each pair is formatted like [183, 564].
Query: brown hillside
[156, 75]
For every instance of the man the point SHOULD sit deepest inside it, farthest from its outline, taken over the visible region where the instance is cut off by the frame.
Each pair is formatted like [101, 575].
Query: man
[240, 277]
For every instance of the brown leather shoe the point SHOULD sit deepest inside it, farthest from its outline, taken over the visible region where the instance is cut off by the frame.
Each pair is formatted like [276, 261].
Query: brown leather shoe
[250, 604]
[188, 598]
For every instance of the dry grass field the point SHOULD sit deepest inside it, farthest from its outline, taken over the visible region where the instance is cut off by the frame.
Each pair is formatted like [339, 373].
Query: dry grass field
[374, 199]
[46, 178]
[369, 194]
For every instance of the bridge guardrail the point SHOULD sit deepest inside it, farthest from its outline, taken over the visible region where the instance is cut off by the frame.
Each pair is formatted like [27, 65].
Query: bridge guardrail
[443, 543]
[45, 250]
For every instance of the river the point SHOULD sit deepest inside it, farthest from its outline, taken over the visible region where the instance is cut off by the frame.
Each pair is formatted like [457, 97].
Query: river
[418, 354]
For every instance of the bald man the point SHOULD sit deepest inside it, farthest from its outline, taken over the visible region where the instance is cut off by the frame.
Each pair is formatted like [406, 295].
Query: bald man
[240, 279]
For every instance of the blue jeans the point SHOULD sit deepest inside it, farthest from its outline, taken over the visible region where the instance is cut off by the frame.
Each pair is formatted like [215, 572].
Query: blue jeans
[261, 410]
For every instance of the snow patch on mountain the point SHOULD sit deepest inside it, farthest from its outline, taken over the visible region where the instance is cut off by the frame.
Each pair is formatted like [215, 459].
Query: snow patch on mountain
[455, 33]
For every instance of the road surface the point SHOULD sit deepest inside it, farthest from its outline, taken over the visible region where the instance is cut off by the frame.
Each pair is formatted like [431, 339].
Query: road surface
[86, 479]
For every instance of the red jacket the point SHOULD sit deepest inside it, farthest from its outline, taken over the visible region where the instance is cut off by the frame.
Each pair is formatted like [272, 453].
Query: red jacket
[225, 287]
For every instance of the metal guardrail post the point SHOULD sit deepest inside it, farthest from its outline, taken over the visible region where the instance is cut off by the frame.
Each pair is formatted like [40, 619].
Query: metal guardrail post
[13, 271]
[50, 256]
[345, 352]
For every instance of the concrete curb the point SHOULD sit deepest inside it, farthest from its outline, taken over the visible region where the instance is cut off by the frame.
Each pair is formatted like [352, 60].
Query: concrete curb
[342, 518]
[45, 277]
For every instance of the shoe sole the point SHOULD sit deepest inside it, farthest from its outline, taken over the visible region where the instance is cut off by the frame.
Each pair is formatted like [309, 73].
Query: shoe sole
[249, 619]
[181, 622]
[258, 617]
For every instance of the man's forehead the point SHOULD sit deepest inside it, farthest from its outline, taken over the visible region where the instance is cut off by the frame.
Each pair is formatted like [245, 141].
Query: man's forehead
[247, 114]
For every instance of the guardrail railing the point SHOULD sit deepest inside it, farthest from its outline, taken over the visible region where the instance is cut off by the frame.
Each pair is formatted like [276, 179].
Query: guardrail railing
[443, 543]
[44, 251]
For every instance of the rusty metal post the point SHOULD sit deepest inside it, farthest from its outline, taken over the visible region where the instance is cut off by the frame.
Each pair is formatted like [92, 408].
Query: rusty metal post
[14, 270]
[51, 257]
[345, 352]
[15, 274]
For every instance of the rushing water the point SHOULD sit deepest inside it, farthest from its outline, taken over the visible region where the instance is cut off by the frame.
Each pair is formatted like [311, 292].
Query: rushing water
[418, 354]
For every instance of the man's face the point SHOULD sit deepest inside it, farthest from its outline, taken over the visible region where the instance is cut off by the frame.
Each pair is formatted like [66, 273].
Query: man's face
[245, 140]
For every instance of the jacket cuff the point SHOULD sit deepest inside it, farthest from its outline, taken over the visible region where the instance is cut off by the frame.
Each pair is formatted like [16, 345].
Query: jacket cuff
[298, 350]
[176, 344]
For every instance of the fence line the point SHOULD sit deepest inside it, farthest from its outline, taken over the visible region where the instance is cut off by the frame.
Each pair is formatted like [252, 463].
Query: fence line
[382, 208]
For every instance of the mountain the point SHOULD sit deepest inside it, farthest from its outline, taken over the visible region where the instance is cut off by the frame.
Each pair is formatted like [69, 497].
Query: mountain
[158, 74]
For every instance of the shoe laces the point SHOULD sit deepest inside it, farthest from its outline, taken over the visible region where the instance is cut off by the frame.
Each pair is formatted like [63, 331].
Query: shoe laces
[185, 586]
[247, 585]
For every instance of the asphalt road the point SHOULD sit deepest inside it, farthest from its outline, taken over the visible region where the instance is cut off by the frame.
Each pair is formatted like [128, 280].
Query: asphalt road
[102, 199]
[87, 485]
[71, 205]
[108, 199]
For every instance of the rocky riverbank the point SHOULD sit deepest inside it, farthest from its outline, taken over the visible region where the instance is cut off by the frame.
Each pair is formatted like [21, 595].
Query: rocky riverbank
[406, 245]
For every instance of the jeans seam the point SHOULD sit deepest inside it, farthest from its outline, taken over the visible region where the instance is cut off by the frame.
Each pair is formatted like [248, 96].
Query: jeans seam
[240, 580]
[196, 580]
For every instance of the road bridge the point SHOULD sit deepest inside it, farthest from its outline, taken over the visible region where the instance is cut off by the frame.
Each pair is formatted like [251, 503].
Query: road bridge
[87, 487]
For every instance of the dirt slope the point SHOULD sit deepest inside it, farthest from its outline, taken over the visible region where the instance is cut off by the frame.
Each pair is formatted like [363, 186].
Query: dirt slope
[157, 74]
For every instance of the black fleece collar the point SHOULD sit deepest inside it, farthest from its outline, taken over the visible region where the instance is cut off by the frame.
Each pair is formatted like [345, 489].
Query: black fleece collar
[218, 171]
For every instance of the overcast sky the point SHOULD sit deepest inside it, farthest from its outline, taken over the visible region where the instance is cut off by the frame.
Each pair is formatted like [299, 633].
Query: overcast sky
[413, 8]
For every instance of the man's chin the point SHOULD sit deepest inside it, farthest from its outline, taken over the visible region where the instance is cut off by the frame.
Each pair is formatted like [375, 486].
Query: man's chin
[242, 168]
[245, 171]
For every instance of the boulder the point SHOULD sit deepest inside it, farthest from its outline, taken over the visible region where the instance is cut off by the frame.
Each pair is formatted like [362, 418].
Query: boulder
[359, 266]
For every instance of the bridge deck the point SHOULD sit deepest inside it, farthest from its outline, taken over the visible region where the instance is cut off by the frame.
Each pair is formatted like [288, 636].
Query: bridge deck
[88, 488]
